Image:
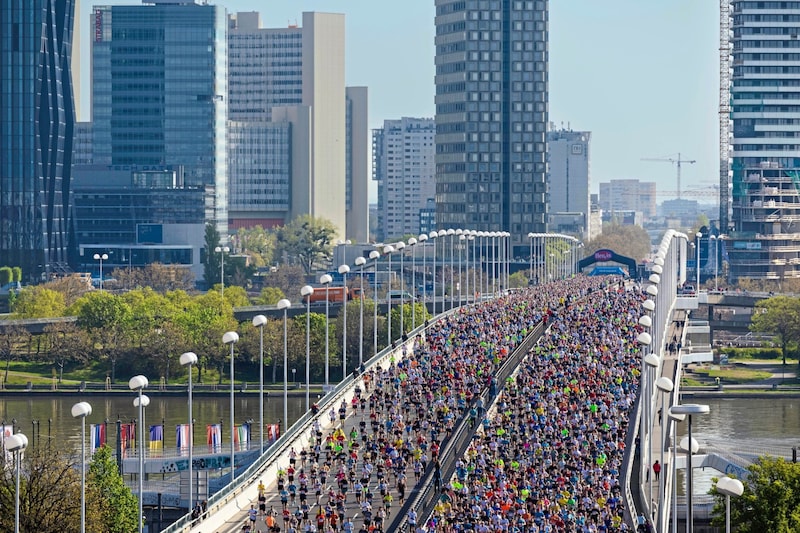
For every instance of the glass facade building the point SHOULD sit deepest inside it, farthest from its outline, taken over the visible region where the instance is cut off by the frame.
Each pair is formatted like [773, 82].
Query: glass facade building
[160, 91]
[491, 116]
[36, 128]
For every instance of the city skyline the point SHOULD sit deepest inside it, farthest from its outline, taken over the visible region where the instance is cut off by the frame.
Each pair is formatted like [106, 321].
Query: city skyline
[643, 78]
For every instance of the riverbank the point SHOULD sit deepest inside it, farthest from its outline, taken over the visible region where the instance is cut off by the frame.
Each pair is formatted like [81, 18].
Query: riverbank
[199, 390]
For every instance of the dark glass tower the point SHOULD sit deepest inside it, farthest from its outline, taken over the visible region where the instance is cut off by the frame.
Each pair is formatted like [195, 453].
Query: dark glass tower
[491, 116]
[36, 123]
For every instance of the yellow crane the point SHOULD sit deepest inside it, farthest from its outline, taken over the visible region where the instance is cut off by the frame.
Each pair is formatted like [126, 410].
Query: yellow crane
[677, 162]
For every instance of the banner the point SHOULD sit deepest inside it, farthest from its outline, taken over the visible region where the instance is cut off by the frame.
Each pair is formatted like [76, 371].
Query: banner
[183, 438]
[214, 437]
[5, 432]
[241, 437]
[273, 432]
[156, 437]
[127, 434]
[97, 436]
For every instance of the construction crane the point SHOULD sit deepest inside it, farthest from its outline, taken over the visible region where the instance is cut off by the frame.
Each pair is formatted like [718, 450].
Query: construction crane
[677, 162]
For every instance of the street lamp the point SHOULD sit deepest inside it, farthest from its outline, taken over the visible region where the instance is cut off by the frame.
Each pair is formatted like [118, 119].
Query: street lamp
[138, 383]
[388, 251]
[462, 242]
[222, 250]
[284, 304]
[16, 444]
[433, 235]
[82, 410]
[411, 243]
[101, 258]
[306, 291]
[259, 321]
[374, 255]
[326, 280]
[423, 238]
[690, 409]
[727, 486]
[716, 255]
[665, 386]
[343, 270]
[188, 359]
[450, 232]
[530, 256]
[230, 338]
[675, 419]
[652, 363]
[400, 246]
[360, 262]
[697, 265]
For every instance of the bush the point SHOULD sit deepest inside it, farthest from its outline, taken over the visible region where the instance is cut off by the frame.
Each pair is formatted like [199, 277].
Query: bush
[754, 353]
[16, 273]
[6, 275]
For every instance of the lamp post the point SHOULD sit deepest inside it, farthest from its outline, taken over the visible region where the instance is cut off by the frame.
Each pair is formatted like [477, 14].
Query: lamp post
[675, 419]
[433, 236]
[138, 383]
[222, 250]
[665, 386]
[16, 444]
[284, 304]
[259, 321]
[306, 291]
[343, 270]
[188, 359]
[697, 265]
[326, 280]
[82, 410]
[652, 363]
[294, 376]
[728, 487]
[450, 232]
[360, 262]
[400, 246]
[411, 244]
[530, 256]
[387, 250]
[101, 258]
[716, 238]
[230, 338]
[471, 288]
[689, 410]
[423, 238]
[374, 255]
[461, 243]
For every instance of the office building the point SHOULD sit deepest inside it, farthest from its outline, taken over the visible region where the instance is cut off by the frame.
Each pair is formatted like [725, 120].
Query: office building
[159, 91]
[763, 239]
[569, 181]
[622, 195]
[403, 154]
[491, 116]
[299, 136]
[37, 118]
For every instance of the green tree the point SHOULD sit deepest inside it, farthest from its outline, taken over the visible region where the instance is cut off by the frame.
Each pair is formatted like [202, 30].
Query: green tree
[6, 275]
[307, 241]
[160, 278]
[628, 240]
[211, 268]
[66, 343]
[779, 315]
[287, 278]
[37, 301]
[105, 317]
[235, 295]
[16, 273]
[269, 296]
[258, 244]
[111, 507]
[10, 340]
[771, 499]
[317, 345]
[517, 280]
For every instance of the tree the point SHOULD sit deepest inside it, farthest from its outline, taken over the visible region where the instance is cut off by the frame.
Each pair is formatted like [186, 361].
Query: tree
[269, 296]
[306, 240]
[160, 278]
[10, 338]
[211, 269]
[66, 343]
[287, 278]
[779, 315]
[16, 273]
[37, 301]
[258, 244]
[317, 341]
[771, 499]
[111, 507]
[49, 489]
[627, 240]
[517, 280]
[234, 295]
[105, 317]
[72, 287]
[6, 275]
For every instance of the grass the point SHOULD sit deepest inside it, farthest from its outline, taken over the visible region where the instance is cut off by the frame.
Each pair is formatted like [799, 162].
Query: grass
[734, 375]
[691, 382]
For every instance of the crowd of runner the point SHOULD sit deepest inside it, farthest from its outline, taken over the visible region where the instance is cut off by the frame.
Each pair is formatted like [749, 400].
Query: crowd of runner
[548, 458]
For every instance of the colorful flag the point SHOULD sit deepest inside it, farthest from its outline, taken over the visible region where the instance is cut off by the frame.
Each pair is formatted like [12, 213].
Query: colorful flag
[183, 438]
[241, 437]
[127, 434]
[97, 436]
[5, 432]
[273, 432]
[156, 437]
[214, 437]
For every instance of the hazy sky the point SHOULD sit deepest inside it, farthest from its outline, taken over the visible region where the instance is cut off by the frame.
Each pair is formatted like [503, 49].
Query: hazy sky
[641, 76]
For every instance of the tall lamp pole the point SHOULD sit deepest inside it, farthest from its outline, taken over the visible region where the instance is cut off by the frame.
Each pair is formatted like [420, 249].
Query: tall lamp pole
[222, 250]
[411, 244]
[101, 258]
[697, 265]
[230, 338]
[433, 236]
[462, 239]
[374, 255]
[188, 359]
[284, 304]
[260, 321]
[82, 410]
[16, 444]
[306, 291]
[665, 386]
[690, 409]
[326, 280]
[387, 250]
[360, 262]
[138, 383]
[343, 270]
[400, 247]
[450, 233]
[728, 487]
[675, 418]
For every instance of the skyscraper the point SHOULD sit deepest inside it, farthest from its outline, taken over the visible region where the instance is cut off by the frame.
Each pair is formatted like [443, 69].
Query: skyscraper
[36, 122]
[764, 236]
[568, 166]
[159, 91]
[403, 165]
[491, 116]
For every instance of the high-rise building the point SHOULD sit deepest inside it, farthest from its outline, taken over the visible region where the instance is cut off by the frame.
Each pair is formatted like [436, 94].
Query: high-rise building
[159, 91]
[299, 142]
[491, 116]
[764, 238]
[617, 196]
[403, 165]
[569, 181]
[37, 117]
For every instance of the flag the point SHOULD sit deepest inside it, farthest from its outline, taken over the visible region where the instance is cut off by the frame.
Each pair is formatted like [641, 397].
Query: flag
[5, 432]
[241, 437]
[156, 437]
[183, 437]
[127, 433]
[273, 432]
[214, 437]
[97, 436]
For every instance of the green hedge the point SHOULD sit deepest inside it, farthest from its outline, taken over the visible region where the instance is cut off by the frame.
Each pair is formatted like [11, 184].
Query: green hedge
[758, 353]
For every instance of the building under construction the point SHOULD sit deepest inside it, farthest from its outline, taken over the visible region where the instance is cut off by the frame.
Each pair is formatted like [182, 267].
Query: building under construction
[760, 138]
